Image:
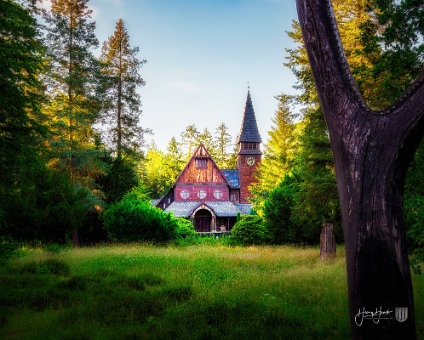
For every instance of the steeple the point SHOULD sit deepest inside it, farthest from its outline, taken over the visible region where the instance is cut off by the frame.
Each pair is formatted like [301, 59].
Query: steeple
[249, 132]
[249, 155]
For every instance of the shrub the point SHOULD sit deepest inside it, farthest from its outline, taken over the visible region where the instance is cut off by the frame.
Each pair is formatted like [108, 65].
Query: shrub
[249, 230]
[185, 228]
[278, 212]
[133, 219]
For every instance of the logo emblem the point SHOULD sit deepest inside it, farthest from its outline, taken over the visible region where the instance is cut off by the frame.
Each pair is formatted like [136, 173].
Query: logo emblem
[401, 313]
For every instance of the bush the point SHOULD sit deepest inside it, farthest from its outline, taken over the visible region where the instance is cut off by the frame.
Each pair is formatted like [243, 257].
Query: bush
[278, 212]
[251, 230]
[185, 229]
[133, 219]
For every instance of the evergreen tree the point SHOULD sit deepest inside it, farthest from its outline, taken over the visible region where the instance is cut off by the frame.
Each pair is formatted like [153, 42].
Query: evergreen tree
[174, 162]
[21, 60]
[71, 86]
[222, 141]
[121, 66]
[278, 153]
[208, 141]
[233, 156]
[190, 138]
[316, 202]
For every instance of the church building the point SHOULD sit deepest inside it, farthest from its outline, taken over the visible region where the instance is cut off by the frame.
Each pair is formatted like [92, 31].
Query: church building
[211, 197]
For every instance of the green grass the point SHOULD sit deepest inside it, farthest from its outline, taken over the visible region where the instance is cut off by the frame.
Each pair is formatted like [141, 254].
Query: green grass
[197, 292]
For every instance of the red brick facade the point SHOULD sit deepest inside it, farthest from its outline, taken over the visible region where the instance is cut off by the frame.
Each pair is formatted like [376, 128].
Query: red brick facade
[247, 172]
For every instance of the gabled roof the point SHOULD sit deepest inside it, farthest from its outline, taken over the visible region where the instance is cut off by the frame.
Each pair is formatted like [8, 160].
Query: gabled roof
[232, 177]
[249, 129]
[201, 151]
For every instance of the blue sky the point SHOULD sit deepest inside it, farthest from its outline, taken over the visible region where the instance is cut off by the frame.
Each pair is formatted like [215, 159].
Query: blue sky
[200, 56]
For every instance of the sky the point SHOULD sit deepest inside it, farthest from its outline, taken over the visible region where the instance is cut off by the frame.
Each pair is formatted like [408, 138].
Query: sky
[201, 55]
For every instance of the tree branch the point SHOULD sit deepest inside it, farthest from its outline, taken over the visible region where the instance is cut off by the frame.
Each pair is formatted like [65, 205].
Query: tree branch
[337, 90]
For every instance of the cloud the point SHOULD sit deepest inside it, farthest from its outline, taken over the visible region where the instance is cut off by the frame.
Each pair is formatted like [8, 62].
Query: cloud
[185, 86]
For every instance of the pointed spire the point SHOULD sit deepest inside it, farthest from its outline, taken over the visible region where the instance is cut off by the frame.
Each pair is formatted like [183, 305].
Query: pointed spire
[249, 129]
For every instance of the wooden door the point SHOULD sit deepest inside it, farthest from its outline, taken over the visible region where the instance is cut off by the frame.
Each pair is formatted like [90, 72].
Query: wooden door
[202, 223]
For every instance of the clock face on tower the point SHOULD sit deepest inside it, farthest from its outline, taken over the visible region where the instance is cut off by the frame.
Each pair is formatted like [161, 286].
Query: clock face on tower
[250, 161]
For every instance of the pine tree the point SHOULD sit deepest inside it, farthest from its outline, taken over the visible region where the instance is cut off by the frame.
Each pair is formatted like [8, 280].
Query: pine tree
[208, 141]
[72, 84]
[174, 162]
[316, 201]
[222, 141]
[121, 66]
[233, 156]
[190, 139]
[317, 195]
[279, 150]
[21, 62]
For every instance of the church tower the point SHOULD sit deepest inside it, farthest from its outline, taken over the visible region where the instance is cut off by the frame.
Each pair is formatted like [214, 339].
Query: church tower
[249, 152]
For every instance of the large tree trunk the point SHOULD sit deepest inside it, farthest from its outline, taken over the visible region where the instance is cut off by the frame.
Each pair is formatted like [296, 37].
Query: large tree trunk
[371, 151]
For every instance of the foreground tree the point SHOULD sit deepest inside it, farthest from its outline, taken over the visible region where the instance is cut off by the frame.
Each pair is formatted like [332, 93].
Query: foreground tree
[371, 151]
[21, 60]
[121, 67]
[74, 106]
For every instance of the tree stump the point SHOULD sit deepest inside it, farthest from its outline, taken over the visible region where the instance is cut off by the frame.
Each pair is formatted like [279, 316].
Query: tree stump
[328, 242]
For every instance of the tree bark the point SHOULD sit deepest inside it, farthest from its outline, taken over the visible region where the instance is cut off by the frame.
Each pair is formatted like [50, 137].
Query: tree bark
[371, 151]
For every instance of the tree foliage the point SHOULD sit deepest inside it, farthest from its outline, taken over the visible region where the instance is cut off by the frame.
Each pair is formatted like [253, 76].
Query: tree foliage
[278, 212]
[72, 85]
[121, 114]
[134, 219]
[44, 206]
[21, 61]
[250, 229]
[279, 153]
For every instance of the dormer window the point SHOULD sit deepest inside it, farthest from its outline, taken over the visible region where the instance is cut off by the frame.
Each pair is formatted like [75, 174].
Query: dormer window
[201, 163]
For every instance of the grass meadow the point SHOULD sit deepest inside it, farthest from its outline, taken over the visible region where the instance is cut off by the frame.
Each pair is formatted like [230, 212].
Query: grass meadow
[167, 292]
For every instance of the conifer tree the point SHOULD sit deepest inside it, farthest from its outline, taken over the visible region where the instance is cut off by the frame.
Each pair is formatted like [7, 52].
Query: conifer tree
[21, 60]
[121, 66]
[208, 141]
[173, 160]
[71, 86]
[190, 139]
[222, 142]
[279, 150]
[233, 156]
